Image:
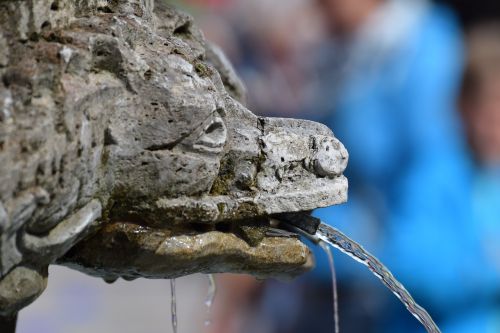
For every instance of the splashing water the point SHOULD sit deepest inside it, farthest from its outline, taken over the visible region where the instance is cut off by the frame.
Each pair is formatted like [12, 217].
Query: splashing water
[209, 301]
[328, 252]
[340, 241]
[173, 305]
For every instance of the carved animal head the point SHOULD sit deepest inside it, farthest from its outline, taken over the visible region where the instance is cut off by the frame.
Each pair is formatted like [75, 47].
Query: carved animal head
[126, 151]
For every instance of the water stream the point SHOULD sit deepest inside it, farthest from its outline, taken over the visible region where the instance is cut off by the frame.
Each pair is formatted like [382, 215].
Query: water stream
[340, 241]
[209, 301]
[328, 252]
[173, 305]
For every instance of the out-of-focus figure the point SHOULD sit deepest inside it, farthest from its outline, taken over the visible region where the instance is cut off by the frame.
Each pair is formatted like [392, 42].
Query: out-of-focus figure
[388, 81]
[412, 182]
[480, 108]
[480, 102]
[270, 43]
[394, 76]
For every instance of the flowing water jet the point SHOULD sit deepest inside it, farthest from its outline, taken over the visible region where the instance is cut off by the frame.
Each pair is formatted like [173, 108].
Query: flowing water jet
[328, 252]
[340, 241]
[173, 305]
[209, 301]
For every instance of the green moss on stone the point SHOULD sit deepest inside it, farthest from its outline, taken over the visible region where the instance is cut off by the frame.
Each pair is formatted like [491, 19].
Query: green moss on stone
[251, 231]
[223, 182]
[202, 69]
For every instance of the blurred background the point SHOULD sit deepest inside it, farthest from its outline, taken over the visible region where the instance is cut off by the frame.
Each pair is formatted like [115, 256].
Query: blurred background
[412, 89]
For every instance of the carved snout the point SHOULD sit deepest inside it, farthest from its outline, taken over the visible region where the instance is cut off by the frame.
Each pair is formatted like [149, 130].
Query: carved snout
[291, 145]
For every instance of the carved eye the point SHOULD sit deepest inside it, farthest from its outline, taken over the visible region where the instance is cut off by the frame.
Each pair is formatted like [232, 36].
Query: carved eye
[213, 137]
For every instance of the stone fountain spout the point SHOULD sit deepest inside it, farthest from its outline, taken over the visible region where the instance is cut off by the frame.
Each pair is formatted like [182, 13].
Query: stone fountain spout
[126, 151]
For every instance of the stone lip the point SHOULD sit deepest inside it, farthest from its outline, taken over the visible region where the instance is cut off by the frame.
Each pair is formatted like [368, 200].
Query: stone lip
[317, 193]
[124, 140]
[157, 253]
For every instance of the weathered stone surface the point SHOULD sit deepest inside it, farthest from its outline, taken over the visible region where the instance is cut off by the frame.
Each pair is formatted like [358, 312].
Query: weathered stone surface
[233, 84]
[60, 239]
[19, 288]
[123, 140]
[153, 253]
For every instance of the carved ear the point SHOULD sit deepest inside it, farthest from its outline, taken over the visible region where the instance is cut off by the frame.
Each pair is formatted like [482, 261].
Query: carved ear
[233, 84]
[213, 138]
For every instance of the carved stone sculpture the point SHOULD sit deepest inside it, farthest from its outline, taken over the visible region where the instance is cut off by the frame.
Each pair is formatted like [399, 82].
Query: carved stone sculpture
[126, 151]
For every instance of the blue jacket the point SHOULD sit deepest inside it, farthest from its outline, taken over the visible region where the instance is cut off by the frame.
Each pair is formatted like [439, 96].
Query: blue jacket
[414, 197]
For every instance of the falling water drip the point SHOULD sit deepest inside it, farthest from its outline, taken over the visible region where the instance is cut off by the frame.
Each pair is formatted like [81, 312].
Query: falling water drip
[173, 305]
[340, 241]
[209, 301]
[328, 252]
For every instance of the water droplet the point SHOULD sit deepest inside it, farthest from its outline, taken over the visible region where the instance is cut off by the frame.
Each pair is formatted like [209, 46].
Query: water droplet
[209, 301]
[328, 252]
[173, 305]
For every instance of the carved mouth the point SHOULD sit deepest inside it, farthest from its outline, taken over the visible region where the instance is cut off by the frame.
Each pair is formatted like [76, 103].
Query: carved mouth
[279, 166]
[296, 196]
[227, 232]
[130, 250]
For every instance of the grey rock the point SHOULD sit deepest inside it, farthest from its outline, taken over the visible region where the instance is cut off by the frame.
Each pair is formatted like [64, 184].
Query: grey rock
[4, 219]
[233, 84]
[60, 239]
[3, 51]
[19, 288]
[126, 151]
[10, 255]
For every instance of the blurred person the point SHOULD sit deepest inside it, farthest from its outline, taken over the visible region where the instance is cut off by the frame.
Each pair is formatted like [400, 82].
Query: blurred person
[480, 109]
[388, 81]
[480, 99]
[274, 39]
[390, 74]
[411, 180]
[269, 43]
[235, 304]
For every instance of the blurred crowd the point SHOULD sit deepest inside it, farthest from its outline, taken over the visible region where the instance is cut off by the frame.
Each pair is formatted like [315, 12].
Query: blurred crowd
[414, 95]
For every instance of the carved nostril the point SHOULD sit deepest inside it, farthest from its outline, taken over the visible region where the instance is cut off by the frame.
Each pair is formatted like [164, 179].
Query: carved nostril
[330, 159]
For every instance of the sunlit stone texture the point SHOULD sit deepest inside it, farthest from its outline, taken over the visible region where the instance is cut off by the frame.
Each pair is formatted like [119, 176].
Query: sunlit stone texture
[126, 151]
